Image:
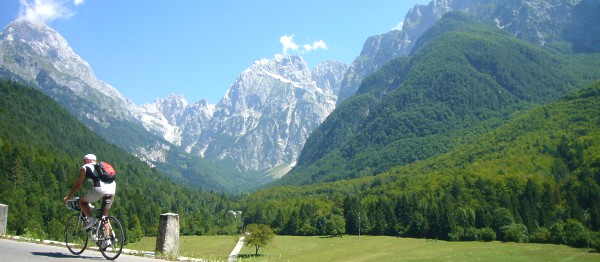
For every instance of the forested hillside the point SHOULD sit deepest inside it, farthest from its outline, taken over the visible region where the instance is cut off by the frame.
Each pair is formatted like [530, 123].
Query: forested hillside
[533, 179]
[41, 147]
[464, 80]
[112, 125]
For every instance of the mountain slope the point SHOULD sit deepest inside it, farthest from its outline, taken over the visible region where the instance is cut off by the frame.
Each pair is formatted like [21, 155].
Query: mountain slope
[260, 125]
[41, 146]
[546, 23]
[535, 178]
[267, 114]
[38, 56]
[257, 130]
[467, 79]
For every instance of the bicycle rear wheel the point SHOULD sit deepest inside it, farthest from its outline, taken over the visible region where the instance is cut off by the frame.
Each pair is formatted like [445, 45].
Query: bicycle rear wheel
[115, 238]
[76, 237]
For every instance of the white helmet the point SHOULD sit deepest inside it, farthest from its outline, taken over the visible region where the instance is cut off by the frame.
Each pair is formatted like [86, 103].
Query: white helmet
[90, 157]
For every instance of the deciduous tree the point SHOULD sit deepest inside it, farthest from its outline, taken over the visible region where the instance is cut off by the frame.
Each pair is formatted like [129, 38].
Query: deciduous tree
[258, 235]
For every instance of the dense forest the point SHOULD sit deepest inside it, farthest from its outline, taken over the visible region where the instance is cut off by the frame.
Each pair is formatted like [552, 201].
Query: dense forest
[41, 147]
[463, 80]
[533, 179]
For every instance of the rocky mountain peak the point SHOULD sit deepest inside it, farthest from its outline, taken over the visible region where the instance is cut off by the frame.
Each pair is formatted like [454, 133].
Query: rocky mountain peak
[329, 74]
[288, 67]
[263, 119]
[255, 87]
[170, 106]
[35, 34]
[30, 48]
[536, 21]
[269, 111]
[37, 42]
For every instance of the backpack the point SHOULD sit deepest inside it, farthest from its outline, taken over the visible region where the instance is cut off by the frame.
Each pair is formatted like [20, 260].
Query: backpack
[105, 172]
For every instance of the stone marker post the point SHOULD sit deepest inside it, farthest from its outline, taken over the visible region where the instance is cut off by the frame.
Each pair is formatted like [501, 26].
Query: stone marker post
[3, 218]
[167, 242]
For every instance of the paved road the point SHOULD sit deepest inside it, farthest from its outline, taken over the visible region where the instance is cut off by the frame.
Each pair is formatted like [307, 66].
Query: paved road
[11, 250]
[236, 250]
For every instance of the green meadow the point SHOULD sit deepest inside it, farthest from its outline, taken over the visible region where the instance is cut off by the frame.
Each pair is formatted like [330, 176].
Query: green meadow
[371, 248]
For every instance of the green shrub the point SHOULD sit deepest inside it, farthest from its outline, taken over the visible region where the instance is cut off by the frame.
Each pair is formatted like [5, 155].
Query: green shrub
[472, 234]
[540, 235]
[557, 233]
[456, 234]
[487, 234]
[515, 233]
[575, 233]
[595, 241]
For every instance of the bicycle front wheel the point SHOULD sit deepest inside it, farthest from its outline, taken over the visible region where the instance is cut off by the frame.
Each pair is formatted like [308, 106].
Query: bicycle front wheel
[76, 237]
[111, 238]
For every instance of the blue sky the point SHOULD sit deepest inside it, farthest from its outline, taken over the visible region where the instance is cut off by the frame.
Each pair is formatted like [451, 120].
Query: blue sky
[150, 49]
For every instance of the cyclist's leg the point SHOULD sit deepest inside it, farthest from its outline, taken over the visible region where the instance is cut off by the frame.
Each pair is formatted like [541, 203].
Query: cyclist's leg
[106, 204]
[108, 195]
[85, 206]
[107, 201]
[92, 195]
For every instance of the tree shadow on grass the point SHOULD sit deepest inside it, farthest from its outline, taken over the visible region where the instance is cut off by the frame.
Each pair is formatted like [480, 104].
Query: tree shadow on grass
[249, 255]
[330, 236]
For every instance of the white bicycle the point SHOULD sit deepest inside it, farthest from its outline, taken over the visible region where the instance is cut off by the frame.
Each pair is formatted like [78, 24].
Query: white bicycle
[107, 233]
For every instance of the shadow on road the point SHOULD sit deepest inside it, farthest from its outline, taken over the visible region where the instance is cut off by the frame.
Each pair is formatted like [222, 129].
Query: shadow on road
[62, 255]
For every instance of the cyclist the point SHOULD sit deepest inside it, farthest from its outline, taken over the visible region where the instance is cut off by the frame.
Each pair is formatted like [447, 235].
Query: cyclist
[99, 190]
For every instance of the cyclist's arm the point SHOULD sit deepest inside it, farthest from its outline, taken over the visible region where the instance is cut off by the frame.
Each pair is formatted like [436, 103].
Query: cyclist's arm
[76, 186]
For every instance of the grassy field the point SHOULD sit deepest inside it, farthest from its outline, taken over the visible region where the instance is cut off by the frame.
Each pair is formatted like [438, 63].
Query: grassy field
[212, 248]
[371, 248]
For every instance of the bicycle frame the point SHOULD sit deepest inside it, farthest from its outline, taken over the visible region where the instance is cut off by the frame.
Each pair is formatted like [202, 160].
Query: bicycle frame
[101, 233]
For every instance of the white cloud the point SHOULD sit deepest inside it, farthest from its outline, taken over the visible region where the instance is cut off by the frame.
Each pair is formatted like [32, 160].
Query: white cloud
[44, 11]
[287, 41]
[319, 45]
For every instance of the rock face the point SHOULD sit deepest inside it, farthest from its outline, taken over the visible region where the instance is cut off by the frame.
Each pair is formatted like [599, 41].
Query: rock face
[39, 56]
[537, 21]
[262, 121]
[269, 112]
[175, 120]
[28, 50]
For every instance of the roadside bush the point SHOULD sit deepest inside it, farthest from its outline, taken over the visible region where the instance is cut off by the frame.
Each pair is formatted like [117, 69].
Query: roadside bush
[515, 233]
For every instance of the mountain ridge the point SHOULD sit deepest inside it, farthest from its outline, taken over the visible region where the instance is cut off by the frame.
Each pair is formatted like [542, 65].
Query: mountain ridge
[171, 124]
[39, 59]
[416, 103]
[268, 89]
[533, 21]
